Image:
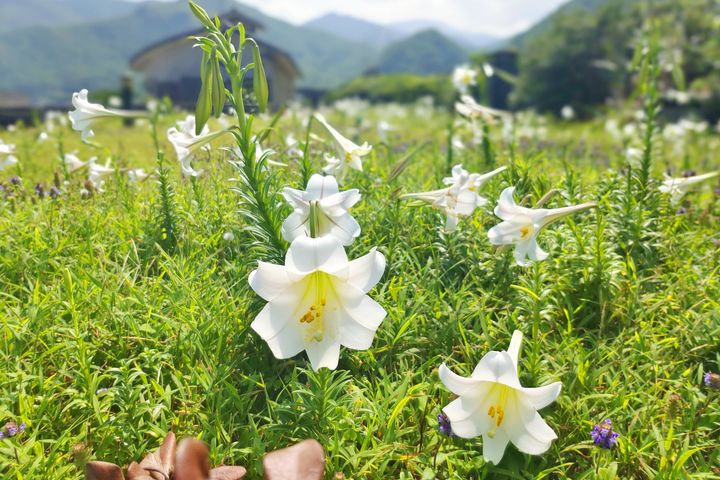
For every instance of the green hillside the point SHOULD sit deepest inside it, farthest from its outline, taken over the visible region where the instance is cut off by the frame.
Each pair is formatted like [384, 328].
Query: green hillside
[426, 52]
[522, 39]
[48, 63]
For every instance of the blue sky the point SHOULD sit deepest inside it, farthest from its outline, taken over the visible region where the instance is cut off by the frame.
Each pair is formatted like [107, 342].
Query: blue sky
[496, 17]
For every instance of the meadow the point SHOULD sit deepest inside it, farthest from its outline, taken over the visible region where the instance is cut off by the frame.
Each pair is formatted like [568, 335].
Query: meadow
[129, 308]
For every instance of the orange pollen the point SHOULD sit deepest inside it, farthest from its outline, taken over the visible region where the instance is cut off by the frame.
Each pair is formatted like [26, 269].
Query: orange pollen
[497, 413]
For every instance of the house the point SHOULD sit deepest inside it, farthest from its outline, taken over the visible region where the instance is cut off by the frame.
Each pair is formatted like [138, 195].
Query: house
[172, 67]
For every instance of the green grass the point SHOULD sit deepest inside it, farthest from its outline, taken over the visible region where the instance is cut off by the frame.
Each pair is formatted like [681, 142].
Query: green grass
[107, 341]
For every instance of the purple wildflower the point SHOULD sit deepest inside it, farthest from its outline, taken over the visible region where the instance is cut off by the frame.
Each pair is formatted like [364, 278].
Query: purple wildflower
[681, 210]
[603, 434]
[689, 173]
[444, 425]
[712, 380]
[54, 192]
[15, 180]
[40, 190]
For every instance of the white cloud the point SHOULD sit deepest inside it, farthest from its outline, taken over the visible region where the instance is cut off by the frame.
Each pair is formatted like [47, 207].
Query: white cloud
[497, 17]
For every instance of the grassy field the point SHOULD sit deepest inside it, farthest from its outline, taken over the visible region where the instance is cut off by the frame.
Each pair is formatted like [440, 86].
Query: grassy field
[108, 341]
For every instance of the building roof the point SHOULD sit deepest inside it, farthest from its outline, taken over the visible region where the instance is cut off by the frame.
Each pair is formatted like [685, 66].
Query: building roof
[227, 20]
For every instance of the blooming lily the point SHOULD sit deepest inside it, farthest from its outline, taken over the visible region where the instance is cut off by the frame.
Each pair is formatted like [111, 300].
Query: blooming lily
[187, 144]
[321, 209]
[464, 77]
[349, 155]
[86, 114]
[73, 163]
[317, 301]
[460, 198]
[468, 107]
[678, 187]
[521, 225]
[7, 159]
[492, 403]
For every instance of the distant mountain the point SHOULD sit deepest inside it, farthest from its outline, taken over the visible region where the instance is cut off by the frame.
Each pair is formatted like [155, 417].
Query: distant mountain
[543, 25]
[355, 29]
[426, 52]
[19, 14]
[48, 63]
[468, 40]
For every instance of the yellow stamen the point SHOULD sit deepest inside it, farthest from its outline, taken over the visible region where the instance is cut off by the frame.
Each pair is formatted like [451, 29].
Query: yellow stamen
[525, 232]
[314, 316]
[348, 157]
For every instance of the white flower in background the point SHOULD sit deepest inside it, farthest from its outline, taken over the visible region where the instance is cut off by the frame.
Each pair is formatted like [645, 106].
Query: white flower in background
[115, 101]
[86, 114]
[677, 96]
[73, 163]
[96, 174]
[352, 107]
[460, 198]
[228, 236]
[488, 70]
[349, 155]
[468, 107]
[464, 77]
[43, 136]
[54, 118]
[12, 128]
[7, 159]
[292, 146]
[678, 187]
[522, 225]
[383, 128]
[317, 301]
[137, 175]
[325, 205]
[457, 143]
[567, 112]
[187, 144]
[634, 156]
[260, 155]
[612, 128]
[494, 404]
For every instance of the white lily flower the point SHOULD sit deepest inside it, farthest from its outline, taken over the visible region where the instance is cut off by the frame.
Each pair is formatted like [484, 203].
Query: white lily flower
[464, 77]
[522, 225]
[567, 112]
[187, 144]
[7, 159]
[460, 198]
[325, 205]
[86, 114]
[317, 301]
[73, 163]
[138, 175]
[492, 403]
[678, 187]
[349, 154]
[468, 107]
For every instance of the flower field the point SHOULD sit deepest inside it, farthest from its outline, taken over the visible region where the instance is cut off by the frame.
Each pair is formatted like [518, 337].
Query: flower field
[429, 292]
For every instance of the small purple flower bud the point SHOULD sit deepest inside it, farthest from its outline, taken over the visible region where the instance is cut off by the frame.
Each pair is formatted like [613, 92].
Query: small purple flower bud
[23, 426]
[15, 180]
[689, 173]
[682, 210]
[603, 434]
[712, 380]
[54, 192]
[39, 190]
